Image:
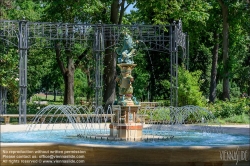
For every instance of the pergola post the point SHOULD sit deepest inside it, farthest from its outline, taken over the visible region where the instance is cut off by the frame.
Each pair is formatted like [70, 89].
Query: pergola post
[98, 48]
[3, 100]
[22, 49]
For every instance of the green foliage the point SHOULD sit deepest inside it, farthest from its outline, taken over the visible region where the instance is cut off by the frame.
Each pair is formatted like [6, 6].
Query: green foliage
[141, 76]
[9, 67]
[234, 90]
[193, 11]
[244, 118]
[189, 92]
[90, 11]
[9, 72]
[29, 9]
[201, 19]
[227, 109]
[43, 73]
[189, 88]
[31, 108]
[80, 84]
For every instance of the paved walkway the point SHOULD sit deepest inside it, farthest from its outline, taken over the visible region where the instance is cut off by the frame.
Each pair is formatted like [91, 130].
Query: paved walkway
[237, 129]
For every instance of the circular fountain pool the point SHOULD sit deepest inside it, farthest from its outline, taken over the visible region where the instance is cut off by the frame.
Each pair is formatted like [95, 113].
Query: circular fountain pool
[180, 142]
[175, 138]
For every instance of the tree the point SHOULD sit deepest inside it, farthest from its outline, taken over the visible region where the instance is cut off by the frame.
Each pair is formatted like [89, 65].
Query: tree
[69, 60]
[80, 85]
[38, 69]
[212, 92]
[87, 67]
[30, 10]
[235, 16]
[52, 79]
[9, 73]
[225, 31]
[5, 5]
[214, 26]
[14, 10]
[194, 15]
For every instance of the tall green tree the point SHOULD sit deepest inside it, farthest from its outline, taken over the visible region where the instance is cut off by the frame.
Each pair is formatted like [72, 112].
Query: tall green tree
[225, 45]
[69, 60]
[194, 15]
[214, 27]
[235, 17]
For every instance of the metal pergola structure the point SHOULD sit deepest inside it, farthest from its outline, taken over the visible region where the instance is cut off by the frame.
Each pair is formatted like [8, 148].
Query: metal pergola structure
[24, 35]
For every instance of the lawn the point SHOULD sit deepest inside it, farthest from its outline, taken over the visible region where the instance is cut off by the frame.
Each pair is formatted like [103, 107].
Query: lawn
[49, 98]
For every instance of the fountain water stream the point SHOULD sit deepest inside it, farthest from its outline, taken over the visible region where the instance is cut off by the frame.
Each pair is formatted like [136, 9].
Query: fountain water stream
[161, 126]
[157, 123]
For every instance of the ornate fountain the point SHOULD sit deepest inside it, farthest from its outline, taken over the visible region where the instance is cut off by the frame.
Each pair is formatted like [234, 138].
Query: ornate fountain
[124, 123]
[67, 128]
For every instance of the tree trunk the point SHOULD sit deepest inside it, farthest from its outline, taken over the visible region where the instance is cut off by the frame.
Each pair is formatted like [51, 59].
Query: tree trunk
[114, 15]
[68, 76]
[69, 82]
[226, 87]
[213, 84]
[90, 85]
[109, 77]
[46, 94]
[122, 11]
[54, 89]
[110, 62]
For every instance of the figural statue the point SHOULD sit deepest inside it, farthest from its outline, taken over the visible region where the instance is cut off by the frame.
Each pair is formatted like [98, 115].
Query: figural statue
[127, 50]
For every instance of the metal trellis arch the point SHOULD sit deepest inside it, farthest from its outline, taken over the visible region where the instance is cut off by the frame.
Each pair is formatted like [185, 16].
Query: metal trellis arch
[24, 34]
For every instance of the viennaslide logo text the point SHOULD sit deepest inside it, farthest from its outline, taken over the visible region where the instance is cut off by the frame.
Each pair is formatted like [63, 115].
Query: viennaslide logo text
[236, 155]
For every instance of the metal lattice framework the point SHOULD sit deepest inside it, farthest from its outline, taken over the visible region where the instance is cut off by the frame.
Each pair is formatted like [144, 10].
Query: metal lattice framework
[3, 99]
[24, 35]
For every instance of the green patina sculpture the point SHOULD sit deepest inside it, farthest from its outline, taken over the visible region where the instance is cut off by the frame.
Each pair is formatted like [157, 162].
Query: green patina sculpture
[127, 50]
[125, 81]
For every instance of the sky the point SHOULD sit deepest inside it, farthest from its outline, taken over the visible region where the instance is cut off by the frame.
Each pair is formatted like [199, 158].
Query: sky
[130, 8]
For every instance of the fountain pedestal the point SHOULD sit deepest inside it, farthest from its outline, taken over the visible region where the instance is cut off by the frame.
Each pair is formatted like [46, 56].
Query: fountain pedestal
[124, 124]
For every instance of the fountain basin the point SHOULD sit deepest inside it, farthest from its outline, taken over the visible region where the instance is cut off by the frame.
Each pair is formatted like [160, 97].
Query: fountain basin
[99, 154]
[122, 155]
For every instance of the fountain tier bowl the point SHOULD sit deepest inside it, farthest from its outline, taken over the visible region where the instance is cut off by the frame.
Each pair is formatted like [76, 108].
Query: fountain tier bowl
[89, 153]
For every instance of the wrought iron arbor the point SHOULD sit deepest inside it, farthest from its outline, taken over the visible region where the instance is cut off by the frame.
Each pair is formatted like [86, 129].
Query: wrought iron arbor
[24, 35]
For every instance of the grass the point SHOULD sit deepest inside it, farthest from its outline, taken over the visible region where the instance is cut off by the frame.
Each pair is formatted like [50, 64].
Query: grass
[236, 119]
[41, 97]
[50, 99]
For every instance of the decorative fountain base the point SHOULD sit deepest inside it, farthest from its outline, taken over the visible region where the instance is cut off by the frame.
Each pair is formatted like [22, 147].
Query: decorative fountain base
[131, 131]
[124, 125]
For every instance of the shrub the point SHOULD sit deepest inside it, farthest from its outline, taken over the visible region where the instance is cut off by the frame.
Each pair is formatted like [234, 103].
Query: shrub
[189, 92]
[234, 91]
[226, 109]
[31, 108]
